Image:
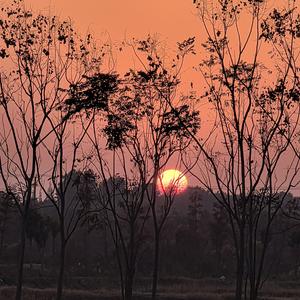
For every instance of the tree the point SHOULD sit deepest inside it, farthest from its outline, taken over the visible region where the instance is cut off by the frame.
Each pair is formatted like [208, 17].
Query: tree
[219, 231]
[195, 210]
[256, 117]
[126, 214]
[120, 198]
[143, 135]
[54, 230]
[6, 205]
[88, 95]
[38, 229]
[71, 208]
[42, 58]
[292, 213]
[151, 135]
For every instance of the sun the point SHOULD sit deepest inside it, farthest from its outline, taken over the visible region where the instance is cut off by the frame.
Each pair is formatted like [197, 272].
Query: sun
[172, 181]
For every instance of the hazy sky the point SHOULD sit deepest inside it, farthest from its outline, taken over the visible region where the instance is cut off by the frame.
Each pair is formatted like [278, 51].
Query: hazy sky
[173, 19]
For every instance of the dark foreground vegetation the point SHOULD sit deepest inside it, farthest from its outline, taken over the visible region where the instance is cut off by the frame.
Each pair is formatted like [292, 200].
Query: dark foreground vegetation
[196, 246]
[85, 288]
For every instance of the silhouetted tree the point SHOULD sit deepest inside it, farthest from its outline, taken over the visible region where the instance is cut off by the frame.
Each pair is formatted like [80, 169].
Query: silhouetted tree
[6, 206]
[121, 197]
[195, 210]
[38, 230]
[294, 243]
[255, 119]
[71, 208]
[54, 231]
[219, 233]
[143, 134]
[153, 135]
[41, 58]
[126, 214]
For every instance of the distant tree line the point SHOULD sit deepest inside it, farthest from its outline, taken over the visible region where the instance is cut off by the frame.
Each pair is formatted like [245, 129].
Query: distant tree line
[196, 242]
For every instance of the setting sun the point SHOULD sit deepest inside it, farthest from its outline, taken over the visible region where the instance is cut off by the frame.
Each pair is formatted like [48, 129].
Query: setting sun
[172, 180]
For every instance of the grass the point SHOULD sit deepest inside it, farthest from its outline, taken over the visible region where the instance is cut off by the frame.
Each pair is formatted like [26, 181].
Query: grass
[7, 293]
[170, 289]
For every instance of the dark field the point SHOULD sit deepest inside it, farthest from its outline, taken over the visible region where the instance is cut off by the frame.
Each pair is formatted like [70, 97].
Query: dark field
[84, 288]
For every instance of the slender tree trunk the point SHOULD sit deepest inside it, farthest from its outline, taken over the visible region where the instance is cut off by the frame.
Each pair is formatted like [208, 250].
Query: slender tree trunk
[253, 292]
[240, 267]
[53, 245]
[130, 271]
[155, 266]
[60, 281]
[129, 284]
[105, 243]
[1, 242]
[239, 281]
[42, 259]
[252, 269]
[2, 238]
[21, 259]
[23, 244]
[3, 229]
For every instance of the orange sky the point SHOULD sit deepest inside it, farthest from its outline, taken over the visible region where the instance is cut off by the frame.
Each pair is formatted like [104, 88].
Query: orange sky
[173, 19]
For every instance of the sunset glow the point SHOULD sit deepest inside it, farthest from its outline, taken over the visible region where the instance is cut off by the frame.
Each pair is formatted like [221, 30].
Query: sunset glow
[172, 181]
[150, 149]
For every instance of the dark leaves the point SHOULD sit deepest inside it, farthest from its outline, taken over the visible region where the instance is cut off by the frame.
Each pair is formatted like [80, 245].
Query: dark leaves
[3, 53]
[279, 24]
[117, 130]
[91, 95]
[181, 121]
[187, 46]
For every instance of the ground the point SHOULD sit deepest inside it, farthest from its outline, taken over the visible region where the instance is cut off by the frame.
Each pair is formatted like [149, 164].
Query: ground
[170, 289]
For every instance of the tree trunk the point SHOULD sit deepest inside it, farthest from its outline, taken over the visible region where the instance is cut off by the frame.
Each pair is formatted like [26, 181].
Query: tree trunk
[155, 267]
[129, 285]
[1, 242]
[239, 281]
[53, 245]
[3, 233]
[21, 259]
[105, 243]
[253, 290]
[42, 259]
[253, 294]
[60, 281]
[240, 267]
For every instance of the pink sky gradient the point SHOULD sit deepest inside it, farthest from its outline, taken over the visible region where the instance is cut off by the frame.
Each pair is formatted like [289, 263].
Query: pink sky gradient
[172, 19]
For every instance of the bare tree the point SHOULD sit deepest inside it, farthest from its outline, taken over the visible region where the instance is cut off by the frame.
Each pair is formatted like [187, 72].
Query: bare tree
[64, 195]
[255, 119]
[41, 58]
[67, 139]
[125, 213]
[151, 135]
[119, 198]
[143, 135]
